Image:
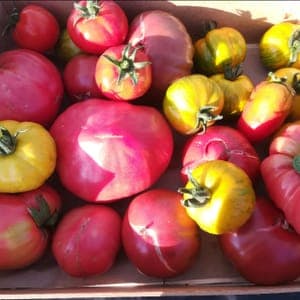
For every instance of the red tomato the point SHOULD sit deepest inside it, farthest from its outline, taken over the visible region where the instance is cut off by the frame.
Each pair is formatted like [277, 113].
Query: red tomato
[269, 105]
[87, 240]
[158, 236]
[123, 73]
[35, 28]
[23, 233]
[31, 87]
[167, 43]
[95, 26]
[264, 250]
[108, 150]
[280, 172]
[220, 142]
[79, 79]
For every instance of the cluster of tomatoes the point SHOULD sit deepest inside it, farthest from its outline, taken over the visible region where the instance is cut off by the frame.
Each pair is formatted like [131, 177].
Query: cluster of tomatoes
[91, 110]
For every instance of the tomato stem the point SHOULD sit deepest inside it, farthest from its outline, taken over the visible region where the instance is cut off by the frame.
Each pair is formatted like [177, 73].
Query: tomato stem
[294, 45]
[296, 82]
[197, 195]
[90, 10]
[204, 116]
[8, 142]
[281, 80]
[127, 65]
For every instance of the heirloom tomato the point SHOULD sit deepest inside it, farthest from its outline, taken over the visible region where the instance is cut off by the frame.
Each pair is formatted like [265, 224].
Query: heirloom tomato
[31, 87]
[265, 250]
[158, 236]
[108, 150]
[34, 28]
[279, 46]
[95, 25]
[65, 49]
[79, 77]
[219, 196]
[236, 87]
[27, 156]
[292, 76]
[281, 172]
[87, 240]
[192, 103]
[218, 49]
[123, 72]
[166, 41]
[267, 108]
[24, 222]
[220, 142]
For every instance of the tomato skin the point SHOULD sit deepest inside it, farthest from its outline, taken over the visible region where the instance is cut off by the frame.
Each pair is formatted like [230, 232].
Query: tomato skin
[186, 97]
[280, 172]
[32, 162]
[87, 240]
[158, 236]
[267, 109]
[221, 47]
[22, 242]
[276, 46]
[226, 196]
[108, 150]
[153, 28]
[220, 142]
[107, 74]
[28, 97]
[264, 250]
[78, 77]
[109, 27]
[36, 29]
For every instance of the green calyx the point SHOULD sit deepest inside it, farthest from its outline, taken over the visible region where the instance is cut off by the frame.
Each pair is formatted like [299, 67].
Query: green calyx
[296, 163]
[232, 73]
[8, 142]
[294, 46]
[281, 80]
[197, 194]
[90, 10]
[127, 65]
[296, 82]
[205, 116]
[42, 215]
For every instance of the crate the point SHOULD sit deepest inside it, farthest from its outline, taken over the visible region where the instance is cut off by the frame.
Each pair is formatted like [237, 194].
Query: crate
[212, 274]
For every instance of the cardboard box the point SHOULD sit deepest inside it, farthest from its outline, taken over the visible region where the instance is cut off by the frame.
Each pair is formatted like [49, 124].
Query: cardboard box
[212, 274]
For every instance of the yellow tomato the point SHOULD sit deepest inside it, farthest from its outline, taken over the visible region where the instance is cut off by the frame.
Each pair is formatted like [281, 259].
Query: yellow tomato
[27, 156]
[219, 48]
[292, 76]
[236, 88]
[218, 196]
[192, 103]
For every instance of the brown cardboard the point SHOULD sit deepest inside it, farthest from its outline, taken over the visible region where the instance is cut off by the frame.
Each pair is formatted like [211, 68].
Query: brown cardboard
[212, 274]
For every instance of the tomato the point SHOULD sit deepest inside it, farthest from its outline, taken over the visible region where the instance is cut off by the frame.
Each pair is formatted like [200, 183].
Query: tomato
[65, 49]
[268, 107]
[34, 28]
[87, 240]
[279, 46]
[292, 76]
[158, 236]
[27, 156]
[265, 250]
[237, 88]
[95, 26]
[220, 142]
[192, 103]
[31, 87]
[24, 235]
[79, 77]
[218, 49]
[280, 172]
[108, 150]
[123, 73]
[168, 44]
[219, 196]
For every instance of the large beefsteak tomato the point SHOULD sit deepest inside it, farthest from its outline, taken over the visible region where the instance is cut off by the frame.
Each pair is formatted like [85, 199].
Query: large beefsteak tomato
[265, 250]
[31, 87]
[109, 150]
